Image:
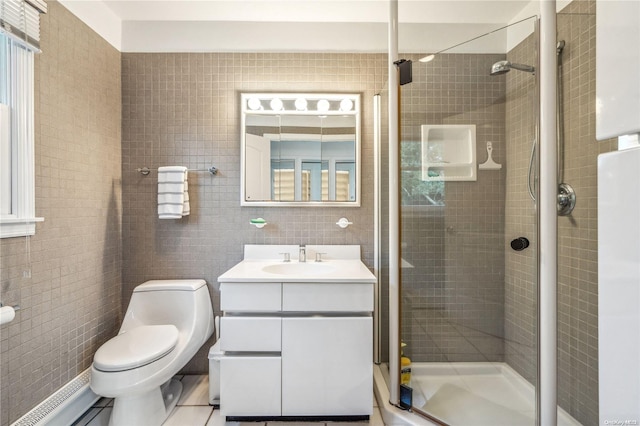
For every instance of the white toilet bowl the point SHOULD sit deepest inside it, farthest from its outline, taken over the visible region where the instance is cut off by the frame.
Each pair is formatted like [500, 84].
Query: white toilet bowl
[167, 321]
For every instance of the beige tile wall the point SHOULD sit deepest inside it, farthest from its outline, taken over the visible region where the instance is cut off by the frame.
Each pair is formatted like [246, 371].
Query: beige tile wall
[71, 301]
[183, 109]
[578, 233]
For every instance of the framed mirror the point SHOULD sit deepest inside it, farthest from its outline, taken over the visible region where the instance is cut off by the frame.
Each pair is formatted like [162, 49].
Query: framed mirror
[300, 149]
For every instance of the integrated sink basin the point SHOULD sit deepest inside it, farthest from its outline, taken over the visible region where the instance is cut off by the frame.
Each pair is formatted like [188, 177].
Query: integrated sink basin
[265, 264]
[304, 269]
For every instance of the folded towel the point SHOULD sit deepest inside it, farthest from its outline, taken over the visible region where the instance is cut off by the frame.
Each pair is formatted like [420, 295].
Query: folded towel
[173, 196]
[186, 207]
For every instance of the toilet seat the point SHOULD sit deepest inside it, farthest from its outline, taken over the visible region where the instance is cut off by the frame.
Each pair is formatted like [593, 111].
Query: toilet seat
[135, 348]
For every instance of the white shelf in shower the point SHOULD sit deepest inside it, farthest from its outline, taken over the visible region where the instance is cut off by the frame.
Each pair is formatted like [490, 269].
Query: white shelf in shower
[449, 152]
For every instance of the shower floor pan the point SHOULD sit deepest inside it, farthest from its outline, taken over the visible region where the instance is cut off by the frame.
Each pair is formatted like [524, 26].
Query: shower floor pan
[471, 393]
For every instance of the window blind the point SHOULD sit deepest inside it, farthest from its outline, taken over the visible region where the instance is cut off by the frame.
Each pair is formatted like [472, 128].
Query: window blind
[17, 212]
[20, 19]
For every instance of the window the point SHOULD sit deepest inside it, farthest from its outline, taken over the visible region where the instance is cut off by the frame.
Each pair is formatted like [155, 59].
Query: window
[5, 161]
[19, 40]
[415, 191]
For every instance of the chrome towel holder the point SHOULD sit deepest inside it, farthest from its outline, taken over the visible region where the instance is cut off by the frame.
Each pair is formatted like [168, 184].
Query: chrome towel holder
[144, 171]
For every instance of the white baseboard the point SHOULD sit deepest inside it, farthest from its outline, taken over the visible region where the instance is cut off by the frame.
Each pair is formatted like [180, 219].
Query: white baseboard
[65, 406]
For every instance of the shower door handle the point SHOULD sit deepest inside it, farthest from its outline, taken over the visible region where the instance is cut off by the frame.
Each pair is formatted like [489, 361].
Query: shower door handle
[520, 243]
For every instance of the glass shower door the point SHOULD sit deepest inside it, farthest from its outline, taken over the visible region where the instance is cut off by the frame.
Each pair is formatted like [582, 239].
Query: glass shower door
[468, 230]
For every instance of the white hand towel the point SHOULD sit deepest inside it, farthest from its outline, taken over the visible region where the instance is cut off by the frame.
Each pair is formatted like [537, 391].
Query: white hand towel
[186, 207]
[173, 198]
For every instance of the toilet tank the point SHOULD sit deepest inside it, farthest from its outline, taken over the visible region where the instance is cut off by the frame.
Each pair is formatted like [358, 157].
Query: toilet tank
[169, 285]
[183, 303]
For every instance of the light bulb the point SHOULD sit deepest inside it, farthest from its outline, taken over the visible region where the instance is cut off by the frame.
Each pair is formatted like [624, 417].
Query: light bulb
[323, 105]
[301, 104]
[254, 104]
[276, 104]
[346, 105]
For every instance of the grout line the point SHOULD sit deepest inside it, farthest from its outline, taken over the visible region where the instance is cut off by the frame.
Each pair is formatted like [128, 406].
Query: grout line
[209, 419]
[88, 420]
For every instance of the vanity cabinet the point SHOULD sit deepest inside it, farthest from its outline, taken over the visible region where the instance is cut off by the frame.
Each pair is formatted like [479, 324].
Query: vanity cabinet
[296, 349]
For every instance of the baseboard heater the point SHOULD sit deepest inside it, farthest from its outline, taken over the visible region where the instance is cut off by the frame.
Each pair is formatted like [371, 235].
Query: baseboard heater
[65, 406]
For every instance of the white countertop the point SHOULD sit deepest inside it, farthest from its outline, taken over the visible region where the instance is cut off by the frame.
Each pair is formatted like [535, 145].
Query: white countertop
[272, 270]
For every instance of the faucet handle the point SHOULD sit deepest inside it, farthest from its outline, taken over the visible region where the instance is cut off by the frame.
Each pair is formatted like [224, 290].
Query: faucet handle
[287, 256]
[319, 256]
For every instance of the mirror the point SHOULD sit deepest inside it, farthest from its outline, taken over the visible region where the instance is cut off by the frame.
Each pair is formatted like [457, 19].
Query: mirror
[300, 149]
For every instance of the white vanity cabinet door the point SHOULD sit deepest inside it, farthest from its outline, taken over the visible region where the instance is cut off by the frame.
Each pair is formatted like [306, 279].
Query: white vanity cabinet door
[250, 386]
[327, 366]
[327, 297]
[251, 297]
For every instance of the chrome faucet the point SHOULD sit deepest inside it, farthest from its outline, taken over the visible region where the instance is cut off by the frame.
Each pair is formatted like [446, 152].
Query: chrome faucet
[302, 257]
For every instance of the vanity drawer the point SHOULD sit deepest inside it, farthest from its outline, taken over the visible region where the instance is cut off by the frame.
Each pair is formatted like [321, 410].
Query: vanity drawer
[251, 297]
[327, 297]
[251, 334]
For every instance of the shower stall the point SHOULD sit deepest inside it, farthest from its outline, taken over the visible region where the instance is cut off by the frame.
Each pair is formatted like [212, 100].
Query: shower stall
[463, 345]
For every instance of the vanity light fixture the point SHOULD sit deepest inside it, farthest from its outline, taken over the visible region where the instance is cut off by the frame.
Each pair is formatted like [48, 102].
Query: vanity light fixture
[298, 103]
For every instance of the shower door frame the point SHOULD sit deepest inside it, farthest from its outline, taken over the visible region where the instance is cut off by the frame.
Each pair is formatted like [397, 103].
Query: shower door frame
[546, 386]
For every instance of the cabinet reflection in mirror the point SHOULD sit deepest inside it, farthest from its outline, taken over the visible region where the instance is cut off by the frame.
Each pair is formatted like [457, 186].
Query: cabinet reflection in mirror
[300, 149]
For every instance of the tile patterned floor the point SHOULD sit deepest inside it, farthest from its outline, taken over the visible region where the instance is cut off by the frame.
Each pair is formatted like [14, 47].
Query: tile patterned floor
[193, 409]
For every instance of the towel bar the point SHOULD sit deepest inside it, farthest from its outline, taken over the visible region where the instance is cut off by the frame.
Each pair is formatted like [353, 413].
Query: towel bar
[145, 170]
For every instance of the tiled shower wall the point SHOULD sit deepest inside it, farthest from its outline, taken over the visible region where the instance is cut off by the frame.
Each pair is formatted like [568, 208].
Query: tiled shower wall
[71, 300]
[453, 284]
[577, 233]
[183, 109]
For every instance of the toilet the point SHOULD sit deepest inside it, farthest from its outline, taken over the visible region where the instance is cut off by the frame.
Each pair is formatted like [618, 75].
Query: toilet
[167, 321]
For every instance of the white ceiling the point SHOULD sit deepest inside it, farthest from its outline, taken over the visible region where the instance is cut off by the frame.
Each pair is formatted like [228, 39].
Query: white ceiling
[316, 10]
[295, 25]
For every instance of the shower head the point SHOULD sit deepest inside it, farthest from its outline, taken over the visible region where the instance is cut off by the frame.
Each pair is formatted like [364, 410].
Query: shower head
[502, 67]
[560, 47]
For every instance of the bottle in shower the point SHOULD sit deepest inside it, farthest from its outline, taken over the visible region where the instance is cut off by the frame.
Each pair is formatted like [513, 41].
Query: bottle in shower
[405, 366]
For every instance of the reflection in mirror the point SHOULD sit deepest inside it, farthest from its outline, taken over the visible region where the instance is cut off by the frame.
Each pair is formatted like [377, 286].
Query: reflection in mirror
[300, 149]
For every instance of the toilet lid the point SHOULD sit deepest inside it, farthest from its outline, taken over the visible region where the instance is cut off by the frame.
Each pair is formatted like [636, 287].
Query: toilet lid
[136, 347]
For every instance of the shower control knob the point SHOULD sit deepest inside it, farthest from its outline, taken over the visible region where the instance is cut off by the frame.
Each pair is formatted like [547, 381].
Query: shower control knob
[520, 243]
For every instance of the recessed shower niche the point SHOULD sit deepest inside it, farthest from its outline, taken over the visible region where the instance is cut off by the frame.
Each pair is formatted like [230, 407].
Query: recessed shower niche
[449, 152]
